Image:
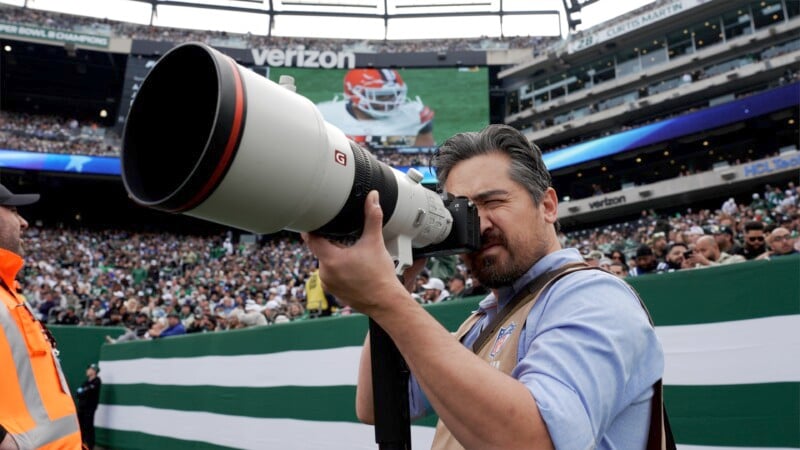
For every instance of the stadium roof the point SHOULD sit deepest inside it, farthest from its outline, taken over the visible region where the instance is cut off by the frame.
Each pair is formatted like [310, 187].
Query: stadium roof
[354, 19]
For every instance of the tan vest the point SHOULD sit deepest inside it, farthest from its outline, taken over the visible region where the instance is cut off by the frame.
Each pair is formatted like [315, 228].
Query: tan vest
[499, 349]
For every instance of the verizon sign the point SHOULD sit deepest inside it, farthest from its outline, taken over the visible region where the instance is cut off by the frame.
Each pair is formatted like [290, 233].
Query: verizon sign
[303, 57]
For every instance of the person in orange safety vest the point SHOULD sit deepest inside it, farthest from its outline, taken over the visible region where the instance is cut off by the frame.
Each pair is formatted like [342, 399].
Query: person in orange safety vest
[36, 407]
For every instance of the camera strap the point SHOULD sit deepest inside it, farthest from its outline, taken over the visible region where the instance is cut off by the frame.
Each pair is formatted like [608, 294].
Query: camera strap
[660, 433]
[516, 303]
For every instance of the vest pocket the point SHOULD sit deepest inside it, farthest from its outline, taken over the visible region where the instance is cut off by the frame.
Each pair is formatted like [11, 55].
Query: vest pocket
[38, 343]
[32, 331]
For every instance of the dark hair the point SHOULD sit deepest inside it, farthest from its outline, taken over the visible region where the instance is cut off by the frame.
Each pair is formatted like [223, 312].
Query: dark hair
[676, 244]
[753, 225]
[527, 166]
[644, 250]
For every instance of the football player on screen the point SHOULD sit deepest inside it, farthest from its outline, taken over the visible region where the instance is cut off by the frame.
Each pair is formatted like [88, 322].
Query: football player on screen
[377, 107]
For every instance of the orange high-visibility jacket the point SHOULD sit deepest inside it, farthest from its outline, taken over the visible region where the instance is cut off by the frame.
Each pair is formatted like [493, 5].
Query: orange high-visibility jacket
[36, 407]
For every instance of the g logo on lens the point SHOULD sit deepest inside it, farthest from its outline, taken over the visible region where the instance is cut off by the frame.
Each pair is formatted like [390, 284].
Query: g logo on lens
[340, 157]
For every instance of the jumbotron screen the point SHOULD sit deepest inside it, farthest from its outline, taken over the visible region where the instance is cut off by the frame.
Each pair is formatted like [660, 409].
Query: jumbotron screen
[396, 107]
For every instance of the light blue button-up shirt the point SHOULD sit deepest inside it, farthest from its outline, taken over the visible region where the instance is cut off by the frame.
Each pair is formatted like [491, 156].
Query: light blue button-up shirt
[587, 353]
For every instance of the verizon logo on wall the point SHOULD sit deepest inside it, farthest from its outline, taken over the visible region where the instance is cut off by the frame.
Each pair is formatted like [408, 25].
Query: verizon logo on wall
[607, 201]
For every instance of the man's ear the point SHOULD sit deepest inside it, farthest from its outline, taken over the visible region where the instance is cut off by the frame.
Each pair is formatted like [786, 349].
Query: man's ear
[549, 205]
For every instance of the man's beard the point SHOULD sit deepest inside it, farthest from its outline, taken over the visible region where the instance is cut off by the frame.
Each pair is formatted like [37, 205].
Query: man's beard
[674, 264]
[650, 266]
[491, 272]
[12, 245]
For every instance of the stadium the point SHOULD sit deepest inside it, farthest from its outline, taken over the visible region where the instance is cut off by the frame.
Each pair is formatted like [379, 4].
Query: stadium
[671, 126]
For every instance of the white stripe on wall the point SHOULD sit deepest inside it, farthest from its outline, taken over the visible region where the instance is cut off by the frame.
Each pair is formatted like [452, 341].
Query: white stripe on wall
[738, 352]
[248, 432]
[331, 367]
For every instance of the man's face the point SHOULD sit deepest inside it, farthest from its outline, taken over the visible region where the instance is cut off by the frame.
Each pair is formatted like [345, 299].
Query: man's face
[11, 227]
[705, 248]
[675, 256]
[618, 270]
[455, 285]
[646, 262]
[430, 294]
[514, 230]
[754, 239]
[781, 242]
[660, 243]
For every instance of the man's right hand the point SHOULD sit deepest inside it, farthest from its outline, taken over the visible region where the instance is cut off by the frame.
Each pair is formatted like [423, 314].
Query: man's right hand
[357, 273]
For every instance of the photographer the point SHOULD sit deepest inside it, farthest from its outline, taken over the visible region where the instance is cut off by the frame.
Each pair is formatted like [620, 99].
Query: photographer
[577, 360]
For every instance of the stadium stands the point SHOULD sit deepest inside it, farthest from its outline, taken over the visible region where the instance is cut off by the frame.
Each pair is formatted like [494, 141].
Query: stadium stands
[53, 134]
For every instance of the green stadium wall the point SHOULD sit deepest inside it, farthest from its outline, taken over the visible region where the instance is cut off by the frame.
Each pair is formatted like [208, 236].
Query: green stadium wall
[732, 377]
[78, 347]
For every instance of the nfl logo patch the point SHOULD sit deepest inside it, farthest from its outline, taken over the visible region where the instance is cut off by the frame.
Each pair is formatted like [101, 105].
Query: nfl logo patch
[502, 337]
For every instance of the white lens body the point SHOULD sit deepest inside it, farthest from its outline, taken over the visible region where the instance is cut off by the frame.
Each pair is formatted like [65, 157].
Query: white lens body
[292, 170]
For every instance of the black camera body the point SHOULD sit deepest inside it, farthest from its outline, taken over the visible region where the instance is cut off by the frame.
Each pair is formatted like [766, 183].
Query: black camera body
[465, 235]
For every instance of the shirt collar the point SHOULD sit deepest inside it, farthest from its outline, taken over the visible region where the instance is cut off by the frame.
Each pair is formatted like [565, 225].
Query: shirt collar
[547, 263]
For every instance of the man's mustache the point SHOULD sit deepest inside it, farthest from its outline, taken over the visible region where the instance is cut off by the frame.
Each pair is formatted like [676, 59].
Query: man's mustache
[490, 238]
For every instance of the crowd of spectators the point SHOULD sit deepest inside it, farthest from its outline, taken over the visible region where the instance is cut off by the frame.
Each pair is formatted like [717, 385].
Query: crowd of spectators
[161, 284]
[140, 279]
[54, 134]
[107, 27]
[766, 227]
